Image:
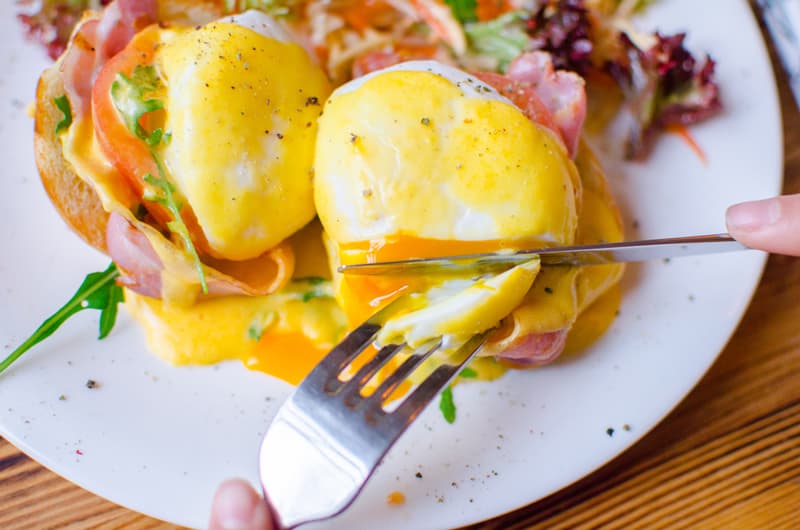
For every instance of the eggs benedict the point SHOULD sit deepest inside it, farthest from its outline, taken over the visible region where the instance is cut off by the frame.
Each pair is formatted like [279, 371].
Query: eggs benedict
[198, 143]
[183, 148]
[197, 155]
[423, 160]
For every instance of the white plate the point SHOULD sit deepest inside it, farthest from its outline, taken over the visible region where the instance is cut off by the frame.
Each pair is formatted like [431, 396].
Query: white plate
[158, 439]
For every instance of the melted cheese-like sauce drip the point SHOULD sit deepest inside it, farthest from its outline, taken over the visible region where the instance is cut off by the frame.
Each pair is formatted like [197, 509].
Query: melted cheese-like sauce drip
[283, 334]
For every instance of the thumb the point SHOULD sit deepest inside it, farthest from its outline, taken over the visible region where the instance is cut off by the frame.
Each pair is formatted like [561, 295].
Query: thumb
[770, 224]
[237, 506]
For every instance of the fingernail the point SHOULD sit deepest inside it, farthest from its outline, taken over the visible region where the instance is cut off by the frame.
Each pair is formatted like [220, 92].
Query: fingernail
[235, 507]
[753, 215]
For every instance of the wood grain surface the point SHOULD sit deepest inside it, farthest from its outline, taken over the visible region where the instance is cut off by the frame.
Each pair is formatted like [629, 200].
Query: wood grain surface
[727, 457]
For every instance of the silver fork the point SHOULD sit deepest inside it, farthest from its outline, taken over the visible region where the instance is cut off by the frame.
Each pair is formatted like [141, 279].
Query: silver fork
[327, 438]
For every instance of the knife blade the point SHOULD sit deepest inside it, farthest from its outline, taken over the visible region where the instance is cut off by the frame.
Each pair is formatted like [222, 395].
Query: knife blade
[600, 254]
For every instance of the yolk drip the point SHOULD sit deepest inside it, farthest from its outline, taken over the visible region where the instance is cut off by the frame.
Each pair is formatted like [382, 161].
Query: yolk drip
[362, 296]
[407, 247]
[395, 498]
[288, 356]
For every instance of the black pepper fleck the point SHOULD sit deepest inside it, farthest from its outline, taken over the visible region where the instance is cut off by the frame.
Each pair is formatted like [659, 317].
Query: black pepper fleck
[91, 383]
[548, 290]
[610, 431]
[425, 121]
[418, 474]
[313, 100]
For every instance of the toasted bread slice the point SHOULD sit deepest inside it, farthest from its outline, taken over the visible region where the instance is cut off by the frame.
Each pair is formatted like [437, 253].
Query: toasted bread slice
[76, 201]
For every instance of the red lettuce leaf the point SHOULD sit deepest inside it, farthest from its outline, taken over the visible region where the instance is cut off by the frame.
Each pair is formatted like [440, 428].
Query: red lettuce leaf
[663, 86]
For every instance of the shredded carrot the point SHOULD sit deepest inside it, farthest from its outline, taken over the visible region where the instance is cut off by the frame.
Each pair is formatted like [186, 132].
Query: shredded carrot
[360, 15]
[491, 9]
[683, 132]
[429, 17]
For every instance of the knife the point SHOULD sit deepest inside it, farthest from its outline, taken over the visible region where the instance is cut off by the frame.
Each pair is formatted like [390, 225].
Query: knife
[600, 254]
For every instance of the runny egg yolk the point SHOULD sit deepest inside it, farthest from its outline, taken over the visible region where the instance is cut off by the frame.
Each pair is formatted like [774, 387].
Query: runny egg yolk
[283, 334]
[458, 171]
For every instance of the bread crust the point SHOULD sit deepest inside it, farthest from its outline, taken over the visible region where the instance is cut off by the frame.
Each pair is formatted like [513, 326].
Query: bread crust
[76, 201]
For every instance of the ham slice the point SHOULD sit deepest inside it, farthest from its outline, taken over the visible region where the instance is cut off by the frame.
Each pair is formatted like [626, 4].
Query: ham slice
[98, 39]
[141, 268]
[536, 349]
[555, 99]
[139, 265]
[562, 92]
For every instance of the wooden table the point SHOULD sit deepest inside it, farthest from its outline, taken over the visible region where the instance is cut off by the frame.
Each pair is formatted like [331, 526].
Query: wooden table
[728, 456]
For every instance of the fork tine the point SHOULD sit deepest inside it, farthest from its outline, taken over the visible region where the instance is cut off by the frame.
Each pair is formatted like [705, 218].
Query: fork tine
[435, 382]
[365, 373]
[391, 383]
[324, 375]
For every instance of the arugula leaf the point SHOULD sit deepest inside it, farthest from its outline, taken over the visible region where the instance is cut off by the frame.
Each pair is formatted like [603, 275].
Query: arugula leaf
[255, 331]
[503, 38]
[260, 324]
[98, 291]
[130, 98]
[63, 105]
[313, 280]
[464, 10]
[447, 406]
[468, 373]
[317, 288]
[163, 192]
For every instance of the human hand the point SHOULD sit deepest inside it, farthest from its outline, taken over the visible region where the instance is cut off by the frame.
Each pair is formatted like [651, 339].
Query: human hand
[237, 506]
[770, 224]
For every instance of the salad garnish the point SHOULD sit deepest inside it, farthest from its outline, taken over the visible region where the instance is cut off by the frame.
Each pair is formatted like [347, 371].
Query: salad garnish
[447, 406]
[99, 290]
[62, 103]
[133, 99]
[659, 82]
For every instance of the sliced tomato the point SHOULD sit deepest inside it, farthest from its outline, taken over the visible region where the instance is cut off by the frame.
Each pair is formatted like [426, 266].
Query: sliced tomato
[362, 14]
[128, 153]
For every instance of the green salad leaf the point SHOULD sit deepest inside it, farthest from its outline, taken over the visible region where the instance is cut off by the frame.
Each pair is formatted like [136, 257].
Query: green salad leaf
[160, 190]
[464, 10]
[503, 38]
[468, 373]
[130, 96]
[99, 290]
[62, 103]
[447, 406]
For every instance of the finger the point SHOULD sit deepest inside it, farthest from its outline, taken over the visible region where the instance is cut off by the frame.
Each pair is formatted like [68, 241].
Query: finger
[237, 506]
[770, 224]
